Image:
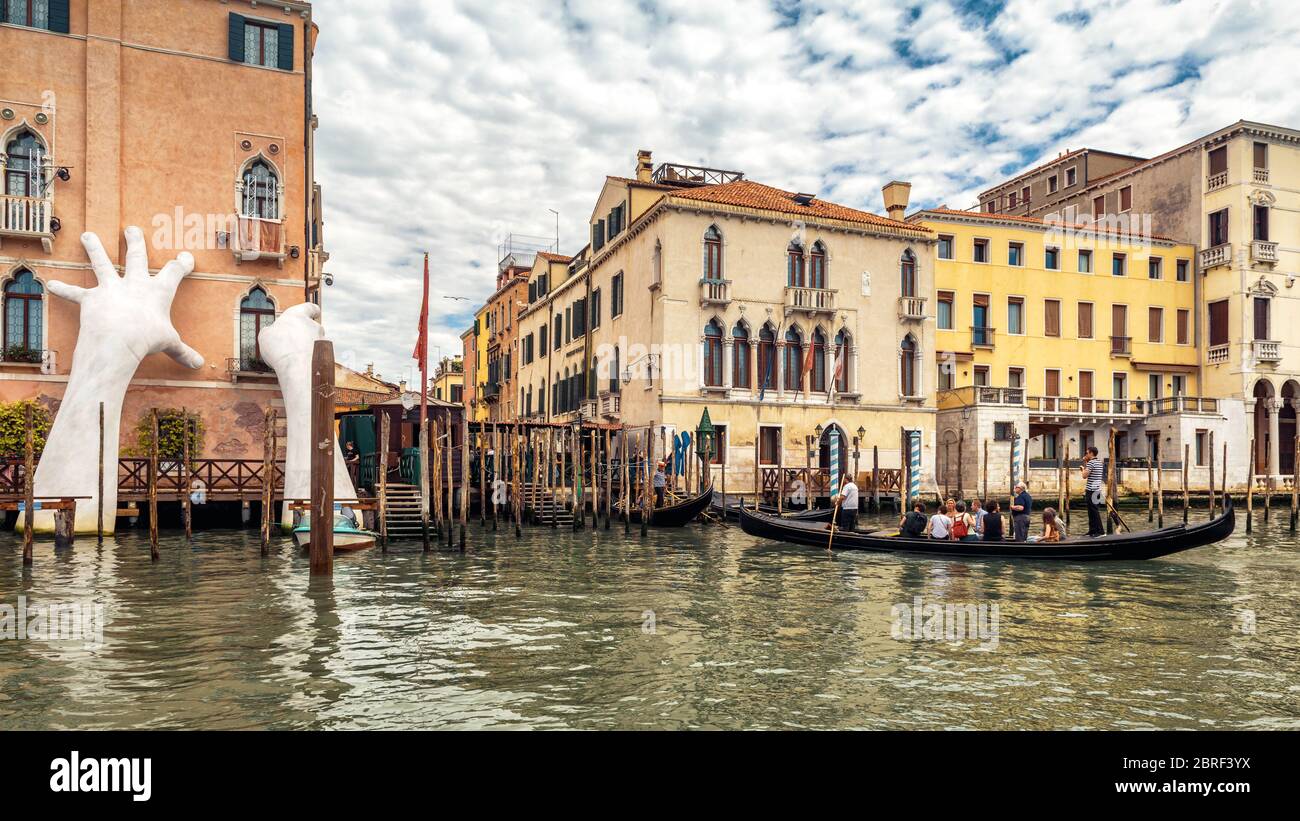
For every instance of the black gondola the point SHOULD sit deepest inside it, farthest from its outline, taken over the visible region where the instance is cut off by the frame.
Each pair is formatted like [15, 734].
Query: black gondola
[734, 506]
[1119, 547]
[677, 514]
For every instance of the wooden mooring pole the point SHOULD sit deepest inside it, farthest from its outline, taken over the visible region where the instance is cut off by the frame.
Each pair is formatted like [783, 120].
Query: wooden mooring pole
[29, 494]
[153, 486]
[1187, 456]
[609, 477]
[425, 465]
[322, 458]
[1295, 480]
[1250, 490]
[182, 476]
[268, 477]
[464, 477]
[1252, 456]
[627, 484]
[1160, 493]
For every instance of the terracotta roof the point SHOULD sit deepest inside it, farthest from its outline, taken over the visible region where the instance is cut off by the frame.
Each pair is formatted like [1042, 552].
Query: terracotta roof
[750, 194]
[632, 181]
[548, 256]
[1084, 226]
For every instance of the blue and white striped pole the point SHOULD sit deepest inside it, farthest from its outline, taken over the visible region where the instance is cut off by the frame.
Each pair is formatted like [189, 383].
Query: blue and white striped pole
[914, 459]
[835, 463]
[1015, 461]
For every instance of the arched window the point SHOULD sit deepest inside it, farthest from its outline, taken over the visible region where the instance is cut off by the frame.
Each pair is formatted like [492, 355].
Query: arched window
[766, 357]
[256, 312]
[24, 310]
[817, 266]
[843, 344]
[261, 192]
[794, 271]
[24, 159]
[793, 359]
[819, 361]
[740, 357]
[907, 272]
[712, 254]
[907, 367]
[713, 354]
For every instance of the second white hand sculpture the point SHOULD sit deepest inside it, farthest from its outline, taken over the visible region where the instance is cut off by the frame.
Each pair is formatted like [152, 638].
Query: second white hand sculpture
[287, 346]
[123, 320]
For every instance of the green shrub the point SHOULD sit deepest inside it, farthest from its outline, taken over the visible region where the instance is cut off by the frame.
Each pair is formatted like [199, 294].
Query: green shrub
[171, 431]
[13, 427]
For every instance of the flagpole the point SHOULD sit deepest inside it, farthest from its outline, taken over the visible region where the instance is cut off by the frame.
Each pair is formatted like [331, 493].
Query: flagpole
[422, 349]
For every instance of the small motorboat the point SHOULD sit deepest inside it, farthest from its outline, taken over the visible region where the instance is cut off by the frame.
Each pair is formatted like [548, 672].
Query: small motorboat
[1148, 544]
[347, 536]
[734, 505]
[677, 514]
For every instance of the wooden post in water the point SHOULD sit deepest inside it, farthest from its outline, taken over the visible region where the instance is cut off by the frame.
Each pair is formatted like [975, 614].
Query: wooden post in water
[422, 451]
[182, 480]
[1065, 482]
[1250, 489]
[985, 473]
[498, 460]
[382, 481]
[875, 478]
[481, 438]
[1252, 456]
[153, 486]
[1224, 474]
[322, 458]
[29, 495]
[647, 500]
[579, 492]
[595, 479]
[961, 462]
[807, 469]
[464, 477]
[1111, 484]
[552, 475]
[1060, 479]
[1187, 455]
[609, 477]
[1160, 493]
[451, 480]
[1295, 480]
[1268, 483]
[780, 473]
[99, 527]
[1151, 499]
[627, 486]
[268, 477]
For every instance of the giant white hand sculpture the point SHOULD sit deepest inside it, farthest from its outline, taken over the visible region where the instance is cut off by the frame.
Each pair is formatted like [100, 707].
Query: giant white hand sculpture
[123, 320]
[286, 345]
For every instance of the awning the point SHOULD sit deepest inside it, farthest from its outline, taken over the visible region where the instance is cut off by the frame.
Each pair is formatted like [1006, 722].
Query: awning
[1163, 367]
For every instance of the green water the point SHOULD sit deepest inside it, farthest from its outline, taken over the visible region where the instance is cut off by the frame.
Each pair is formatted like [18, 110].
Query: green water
[700, 627]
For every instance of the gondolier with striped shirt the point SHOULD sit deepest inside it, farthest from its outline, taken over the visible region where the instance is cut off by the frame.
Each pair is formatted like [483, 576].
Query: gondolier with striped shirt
[1094, 476]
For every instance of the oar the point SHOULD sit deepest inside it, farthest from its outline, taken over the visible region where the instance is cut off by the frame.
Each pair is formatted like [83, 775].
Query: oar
[835, 515]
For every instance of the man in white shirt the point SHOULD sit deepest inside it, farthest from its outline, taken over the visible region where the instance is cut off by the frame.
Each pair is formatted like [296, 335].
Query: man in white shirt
[848, 502]
[940, 525]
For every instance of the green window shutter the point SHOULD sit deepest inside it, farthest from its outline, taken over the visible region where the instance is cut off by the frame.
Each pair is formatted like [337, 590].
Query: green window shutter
[285, 57]
[58, 16]
[236, 38]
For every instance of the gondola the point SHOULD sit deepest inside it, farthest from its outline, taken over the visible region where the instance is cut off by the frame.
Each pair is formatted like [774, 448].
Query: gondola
[734, 505]
[678, 514]
[1148, 544]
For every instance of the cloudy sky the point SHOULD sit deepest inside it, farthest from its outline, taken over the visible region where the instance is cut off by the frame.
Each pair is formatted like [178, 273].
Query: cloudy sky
[447, 124]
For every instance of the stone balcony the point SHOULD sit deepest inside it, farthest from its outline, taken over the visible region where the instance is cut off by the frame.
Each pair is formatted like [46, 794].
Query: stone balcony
[1217, 255]
[911, 308]
[1267, 350]
[715, 291]
[1264, 252]
[28, 218]
[811, 301]
[1216, 354]
[1214, 182]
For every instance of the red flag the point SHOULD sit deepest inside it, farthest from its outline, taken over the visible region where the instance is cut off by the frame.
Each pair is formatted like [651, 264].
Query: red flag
[422, 340]
[839, 364]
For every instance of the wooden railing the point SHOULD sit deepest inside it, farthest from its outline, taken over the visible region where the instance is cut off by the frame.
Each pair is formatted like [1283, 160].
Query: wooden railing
[817, 481]
[221, 477]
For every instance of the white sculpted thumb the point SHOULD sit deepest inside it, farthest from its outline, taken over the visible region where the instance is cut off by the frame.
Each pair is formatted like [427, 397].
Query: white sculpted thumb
[286, 345]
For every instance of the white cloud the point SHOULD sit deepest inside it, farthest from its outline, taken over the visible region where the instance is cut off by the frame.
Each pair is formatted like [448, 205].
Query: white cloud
[445, 125]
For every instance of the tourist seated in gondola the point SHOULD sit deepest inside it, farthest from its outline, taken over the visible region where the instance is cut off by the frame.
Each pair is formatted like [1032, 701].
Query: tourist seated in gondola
[978, 512]
[914, 523]
[940, 527]
[993, 522]
[963, 524]
[1053, 528]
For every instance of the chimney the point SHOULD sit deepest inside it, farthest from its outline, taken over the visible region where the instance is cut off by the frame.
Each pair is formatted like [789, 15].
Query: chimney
[896, 194]
[644, 168]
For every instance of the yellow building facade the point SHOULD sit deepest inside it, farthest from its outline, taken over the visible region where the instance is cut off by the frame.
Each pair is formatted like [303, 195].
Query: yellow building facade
[1054, 334]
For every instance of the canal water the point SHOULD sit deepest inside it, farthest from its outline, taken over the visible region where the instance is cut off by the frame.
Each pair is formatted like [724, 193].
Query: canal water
[703, 627]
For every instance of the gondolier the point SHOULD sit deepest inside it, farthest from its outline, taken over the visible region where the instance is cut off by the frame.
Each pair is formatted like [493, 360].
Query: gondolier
[1021, 506]
[1094, 476]
[847, 499]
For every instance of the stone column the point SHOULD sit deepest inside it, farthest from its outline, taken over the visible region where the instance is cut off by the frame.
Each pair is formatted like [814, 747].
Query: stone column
[727, 376]
[778, 373]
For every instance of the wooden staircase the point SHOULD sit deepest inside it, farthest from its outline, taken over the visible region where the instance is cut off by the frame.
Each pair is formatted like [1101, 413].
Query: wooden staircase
[542, 506]
[403, 511]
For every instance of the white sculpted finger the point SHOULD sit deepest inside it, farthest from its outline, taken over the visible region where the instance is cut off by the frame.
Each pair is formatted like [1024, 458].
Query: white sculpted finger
[105, 273]
[184, 354]
[173, 272]
[137, 256]
[72, 293]
[307, 310]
